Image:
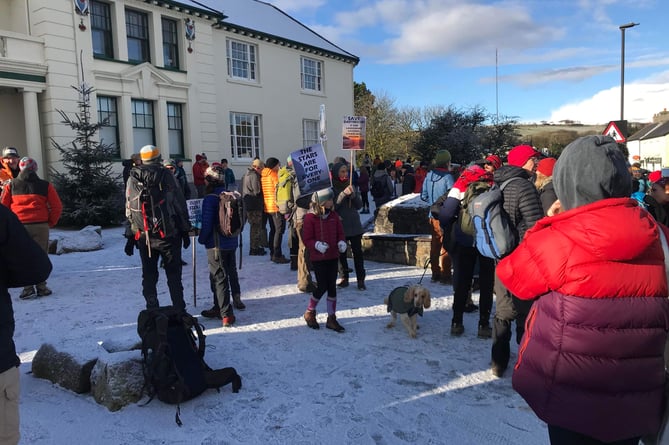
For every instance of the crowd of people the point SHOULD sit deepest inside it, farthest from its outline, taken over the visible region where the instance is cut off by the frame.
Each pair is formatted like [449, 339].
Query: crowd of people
[586, 285]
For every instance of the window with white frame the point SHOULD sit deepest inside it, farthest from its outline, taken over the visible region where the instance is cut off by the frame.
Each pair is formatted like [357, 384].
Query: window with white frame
[175, 129]
[310, 134]
[142, 123]
[108, 114]
[245, 138]
[241, 60]
[312, 74]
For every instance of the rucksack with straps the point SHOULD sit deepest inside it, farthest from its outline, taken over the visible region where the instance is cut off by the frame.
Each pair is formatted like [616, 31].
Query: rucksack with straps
[150, 213]
[465, 221]
[495, 236]
[231, 214]
[173, 346]
[379, 187]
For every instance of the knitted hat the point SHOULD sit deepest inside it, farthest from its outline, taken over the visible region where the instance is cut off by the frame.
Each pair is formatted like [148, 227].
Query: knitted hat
[590, 169]
[27, 164]
[257, 163]
[545, 166]
[321, 196]
[10, 152]
[442, 158]
[149, 154]
[655, 176]
[494, 160]
[169, 163]
[215, 173]
[271, 162]
[520, 154]
[289, 161]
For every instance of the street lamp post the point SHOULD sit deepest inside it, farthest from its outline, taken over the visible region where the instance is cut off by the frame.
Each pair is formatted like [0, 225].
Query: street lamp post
[622, 66]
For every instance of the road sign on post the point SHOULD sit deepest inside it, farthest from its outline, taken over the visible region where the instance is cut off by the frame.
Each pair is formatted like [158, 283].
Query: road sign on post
[617, 130]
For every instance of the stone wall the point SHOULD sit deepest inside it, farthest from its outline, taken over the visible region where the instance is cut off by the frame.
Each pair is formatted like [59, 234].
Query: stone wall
[401, 233]
[407, 214]
[412, 250]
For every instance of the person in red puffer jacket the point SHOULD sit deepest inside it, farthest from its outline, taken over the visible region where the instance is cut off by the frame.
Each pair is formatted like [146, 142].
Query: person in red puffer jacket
[591, 361]
[323, 236]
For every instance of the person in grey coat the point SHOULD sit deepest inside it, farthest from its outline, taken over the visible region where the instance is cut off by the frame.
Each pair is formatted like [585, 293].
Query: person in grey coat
[253, 205]
[347, 204]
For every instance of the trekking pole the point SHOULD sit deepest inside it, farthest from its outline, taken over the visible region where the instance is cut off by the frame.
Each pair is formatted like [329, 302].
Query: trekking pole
[192, 243]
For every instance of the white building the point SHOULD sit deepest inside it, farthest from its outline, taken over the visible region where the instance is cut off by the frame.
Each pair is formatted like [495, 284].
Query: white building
[249, 84]
[650, 146]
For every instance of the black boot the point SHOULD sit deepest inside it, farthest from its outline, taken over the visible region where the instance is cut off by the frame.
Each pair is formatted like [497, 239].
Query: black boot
[343, 283]
[214, 312]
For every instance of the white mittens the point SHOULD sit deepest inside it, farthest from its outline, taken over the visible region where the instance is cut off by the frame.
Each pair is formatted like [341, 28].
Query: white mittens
[321, 246]
[342, 246]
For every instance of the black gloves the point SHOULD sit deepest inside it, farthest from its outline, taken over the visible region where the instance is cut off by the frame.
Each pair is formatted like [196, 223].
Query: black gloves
[129, 246]
[186, 240]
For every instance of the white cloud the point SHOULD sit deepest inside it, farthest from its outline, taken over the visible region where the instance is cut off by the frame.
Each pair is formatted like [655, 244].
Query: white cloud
[643, 99]
[297, 5]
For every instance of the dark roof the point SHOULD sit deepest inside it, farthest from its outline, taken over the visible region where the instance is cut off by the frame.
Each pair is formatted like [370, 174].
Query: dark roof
[651, 131]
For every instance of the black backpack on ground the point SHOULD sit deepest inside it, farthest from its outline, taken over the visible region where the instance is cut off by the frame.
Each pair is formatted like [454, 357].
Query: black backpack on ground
[173, 358]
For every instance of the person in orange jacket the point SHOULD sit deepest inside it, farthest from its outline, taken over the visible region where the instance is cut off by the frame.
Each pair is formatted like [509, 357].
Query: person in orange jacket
[10, 164]
[269, 178]
[37, 205]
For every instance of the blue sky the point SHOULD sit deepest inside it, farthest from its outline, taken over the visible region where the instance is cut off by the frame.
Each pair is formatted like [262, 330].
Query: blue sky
[556, 59]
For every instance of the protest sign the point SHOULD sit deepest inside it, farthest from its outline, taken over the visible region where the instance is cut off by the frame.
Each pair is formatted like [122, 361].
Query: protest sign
[353, 132]
[311, 169]
[195, 212]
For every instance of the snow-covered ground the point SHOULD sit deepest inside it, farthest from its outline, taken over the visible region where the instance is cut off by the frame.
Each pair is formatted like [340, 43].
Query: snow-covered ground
[369, 385]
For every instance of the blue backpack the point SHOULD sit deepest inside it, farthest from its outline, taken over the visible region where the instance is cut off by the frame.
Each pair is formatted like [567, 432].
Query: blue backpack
[495, 236]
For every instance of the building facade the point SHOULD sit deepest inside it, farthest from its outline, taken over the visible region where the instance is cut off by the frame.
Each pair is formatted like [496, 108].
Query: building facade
[233, 79]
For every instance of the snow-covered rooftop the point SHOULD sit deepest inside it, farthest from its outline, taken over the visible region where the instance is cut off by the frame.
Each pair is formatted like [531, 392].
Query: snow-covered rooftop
[267, 19]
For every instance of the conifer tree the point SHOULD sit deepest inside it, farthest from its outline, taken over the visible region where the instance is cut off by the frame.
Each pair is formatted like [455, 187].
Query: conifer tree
[88, 187]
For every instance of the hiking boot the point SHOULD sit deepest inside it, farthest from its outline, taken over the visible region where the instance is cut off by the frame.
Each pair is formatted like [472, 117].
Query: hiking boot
[42, 290]
[361, 284]
[280, 260]
[435, 277]
[28, 293]
[457, 329]
[214, 312]
[257, 252]
[228, 321]
[310, 318]
[343, 283]
[237, 302]
[485, 331]
[333, 324]
[446, 280]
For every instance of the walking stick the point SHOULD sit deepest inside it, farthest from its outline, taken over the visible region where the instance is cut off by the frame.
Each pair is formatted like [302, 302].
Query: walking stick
[192, 243]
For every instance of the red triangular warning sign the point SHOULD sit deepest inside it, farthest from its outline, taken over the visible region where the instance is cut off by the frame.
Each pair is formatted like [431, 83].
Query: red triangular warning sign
[613, 131]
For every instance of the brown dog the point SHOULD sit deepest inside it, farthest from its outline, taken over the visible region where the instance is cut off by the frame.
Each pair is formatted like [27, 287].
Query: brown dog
[408, 301]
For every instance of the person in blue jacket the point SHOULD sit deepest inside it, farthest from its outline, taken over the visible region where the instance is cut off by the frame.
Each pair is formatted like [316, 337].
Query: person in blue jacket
[221, 251]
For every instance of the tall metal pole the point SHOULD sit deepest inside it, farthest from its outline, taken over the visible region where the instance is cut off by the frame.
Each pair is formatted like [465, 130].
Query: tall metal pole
[622, 66]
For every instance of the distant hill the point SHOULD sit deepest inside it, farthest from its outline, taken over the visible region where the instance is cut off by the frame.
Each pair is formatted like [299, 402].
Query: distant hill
[527, 131]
